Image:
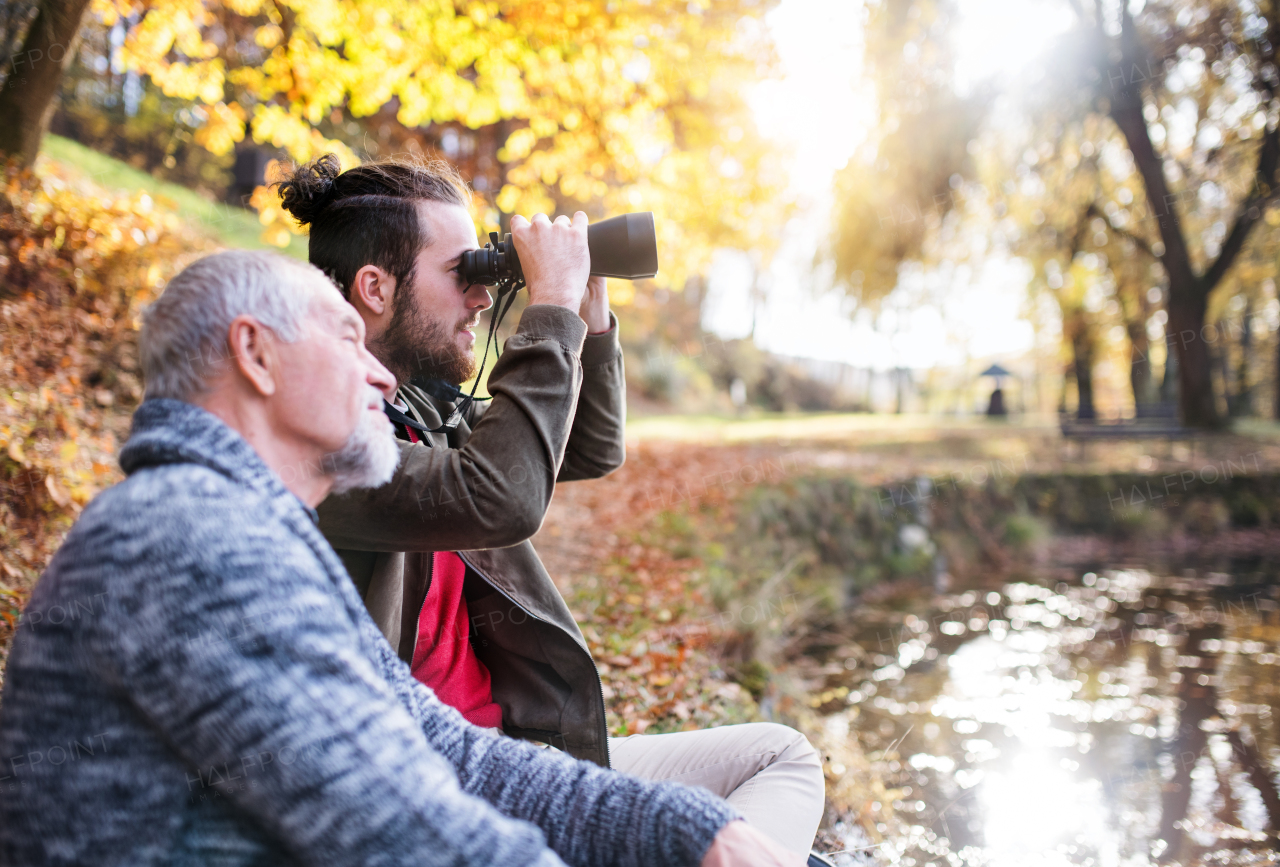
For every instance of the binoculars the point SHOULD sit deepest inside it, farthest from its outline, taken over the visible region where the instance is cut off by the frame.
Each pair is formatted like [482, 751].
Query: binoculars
[625, 247]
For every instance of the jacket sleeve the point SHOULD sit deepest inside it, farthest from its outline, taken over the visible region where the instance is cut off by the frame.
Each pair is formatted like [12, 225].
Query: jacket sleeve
[494, 491]
[597, 443]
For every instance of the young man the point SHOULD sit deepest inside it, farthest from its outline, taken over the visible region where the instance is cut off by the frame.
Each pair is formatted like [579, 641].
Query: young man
[204, 686]
[441, 555]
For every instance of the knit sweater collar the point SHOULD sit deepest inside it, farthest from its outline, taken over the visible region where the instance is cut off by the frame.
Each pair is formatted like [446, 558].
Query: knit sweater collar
[167, 431]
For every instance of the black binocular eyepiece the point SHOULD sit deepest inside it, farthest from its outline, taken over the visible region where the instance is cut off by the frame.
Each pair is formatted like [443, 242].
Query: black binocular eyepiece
[625, 247]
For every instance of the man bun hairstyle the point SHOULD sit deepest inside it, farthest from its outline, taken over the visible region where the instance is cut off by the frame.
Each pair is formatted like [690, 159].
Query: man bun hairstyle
[367, 215]
[309, 188]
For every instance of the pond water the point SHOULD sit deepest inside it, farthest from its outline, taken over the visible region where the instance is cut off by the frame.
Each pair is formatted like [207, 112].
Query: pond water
[1125, 719]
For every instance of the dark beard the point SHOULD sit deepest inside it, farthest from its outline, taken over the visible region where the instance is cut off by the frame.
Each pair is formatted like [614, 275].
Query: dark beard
[414, 346]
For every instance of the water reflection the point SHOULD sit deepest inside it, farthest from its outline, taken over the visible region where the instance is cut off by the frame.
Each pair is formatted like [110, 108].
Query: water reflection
[1125, 720]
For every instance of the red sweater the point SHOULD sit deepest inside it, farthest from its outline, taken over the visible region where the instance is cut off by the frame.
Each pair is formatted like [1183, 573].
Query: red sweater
[443, 657]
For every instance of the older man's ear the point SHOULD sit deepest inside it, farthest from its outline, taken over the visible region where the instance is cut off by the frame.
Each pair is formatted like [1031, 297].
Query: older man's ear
[254, 354]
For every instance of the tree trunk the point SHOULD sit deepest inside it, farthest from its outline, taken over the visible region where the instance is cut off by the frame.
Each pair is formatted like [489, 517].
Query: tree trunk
[1187, 299]
[1139, 366]
[1244, 373]
[1220, 361]
[1169, 381]
[1198, 405]
[1187, 296]
[1082, 349]
[1275, 407]
[35, 71]
[15, 15]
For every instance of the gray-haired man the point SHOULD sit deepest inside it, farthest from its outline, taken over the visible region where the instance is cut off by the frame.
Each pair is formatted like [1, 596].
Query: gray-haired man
[235, 703]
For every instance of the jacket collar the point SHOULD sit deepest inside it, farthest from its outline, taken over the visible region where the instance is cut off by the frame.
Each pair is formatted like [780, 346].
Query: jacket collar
[169, 431]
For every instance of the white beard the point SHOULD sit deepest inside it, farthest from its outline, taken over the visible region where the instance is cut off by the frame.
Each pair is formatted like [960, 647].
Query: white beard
[369, 457]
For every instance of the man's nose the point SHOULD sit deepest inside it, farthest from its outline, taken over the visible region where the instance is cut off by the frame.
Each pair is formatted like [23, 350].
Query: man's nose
[477, 297]
[377, 375]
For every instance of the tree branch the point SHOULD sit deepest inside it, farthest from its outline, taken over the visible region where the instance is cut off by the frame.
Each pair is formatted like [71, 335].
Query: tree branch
[1250, 210]
[1126, 111]
[1141, 243]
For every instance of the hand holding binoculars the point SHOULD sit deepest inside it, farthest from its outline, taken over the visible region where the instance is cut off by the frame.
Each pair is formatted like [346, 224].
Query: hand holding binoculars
[625, 247]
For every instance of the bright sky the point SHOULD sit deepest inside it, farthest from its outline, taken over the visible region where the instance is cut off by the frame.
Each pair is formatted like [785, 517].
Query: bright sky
[821, 111]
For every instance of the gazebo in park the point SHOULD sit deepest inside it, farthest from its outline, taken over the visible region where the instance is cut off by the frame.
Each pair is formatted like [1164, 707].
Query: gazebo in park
[996, 406]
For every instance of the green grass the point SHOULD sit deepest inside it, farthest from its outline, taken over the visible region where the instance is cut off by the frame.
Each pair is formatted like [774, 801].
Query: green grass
[826, 426]
[229, 225]
[1261, 428]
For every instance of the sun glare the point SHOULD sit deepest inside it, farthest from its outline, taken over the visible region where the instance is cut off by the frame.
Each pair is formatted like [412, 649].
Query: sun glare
[1005, 37]
[1036, 810]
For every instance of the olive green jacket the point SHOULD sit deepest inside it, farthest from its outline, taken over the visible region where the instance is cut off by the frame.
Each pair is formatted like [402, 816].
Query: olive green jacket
[557, 414]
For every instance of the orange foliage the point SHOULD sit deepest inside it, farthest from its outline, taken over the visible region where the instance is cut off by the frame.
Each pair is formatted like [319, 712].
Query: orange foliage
[620, 549]
[76, 264]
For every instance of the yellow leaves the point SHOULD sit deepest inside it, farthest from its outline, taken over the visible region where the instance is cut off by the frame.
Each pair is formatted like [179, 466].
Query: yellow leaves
[280, 227]
[508, 198]
[519, 145]
[222, 129]
[542, 126]
[245, 8]
[621, 292]
[176, 24]
[69, 326]
[268, 35]
[603, 98]
[276, 235]
[515, 200]
[326, 21]
[273, 124]
[196, 81]
[110, 11]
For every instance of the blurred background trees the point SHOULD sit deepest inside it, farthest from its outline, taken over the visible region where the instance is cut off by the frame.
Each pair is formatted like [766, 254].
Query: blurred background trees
[1134, 168]
[1130, 169]
[546, 105]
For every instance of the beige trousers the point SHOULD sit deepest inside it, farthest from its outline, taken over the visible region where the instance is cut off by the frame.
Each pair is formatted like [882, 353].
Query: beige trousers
[768, 772]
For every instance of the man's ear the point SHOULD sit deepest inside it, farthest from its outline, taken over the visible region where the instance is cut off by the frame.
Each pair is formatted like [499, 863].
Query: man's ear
[253, 353]
[373, 290]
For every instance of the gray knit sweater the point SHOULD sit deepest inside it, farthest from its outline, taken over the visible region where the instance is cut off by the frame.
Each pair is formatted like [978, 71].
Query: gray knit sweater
[195, 681]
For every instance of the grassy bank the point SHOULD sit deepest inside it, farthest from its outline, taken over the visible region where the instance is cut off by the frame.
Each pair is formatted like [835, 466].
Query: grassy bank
[227, 225]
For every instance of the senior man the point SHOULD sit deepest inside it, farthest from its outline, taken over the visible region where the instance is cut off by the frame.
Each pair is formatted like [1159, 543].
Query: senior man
[226, 699]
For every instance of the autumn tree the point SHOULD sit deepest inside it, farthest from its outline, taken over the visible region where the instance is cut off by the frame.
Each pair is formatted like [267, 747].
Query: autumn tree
[1189, 87]
[892, 197]
[603, 105]
[1209, 67]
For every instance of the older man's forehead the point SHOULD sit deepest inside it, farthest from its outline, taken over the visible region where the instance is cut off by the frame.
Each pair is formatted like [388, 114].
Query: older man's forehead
[330, 307]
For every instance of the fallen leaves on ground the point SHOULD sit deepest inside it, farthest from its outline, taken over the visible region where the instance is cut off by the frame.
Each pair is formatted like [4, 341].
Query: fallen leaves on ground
[76, 264]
